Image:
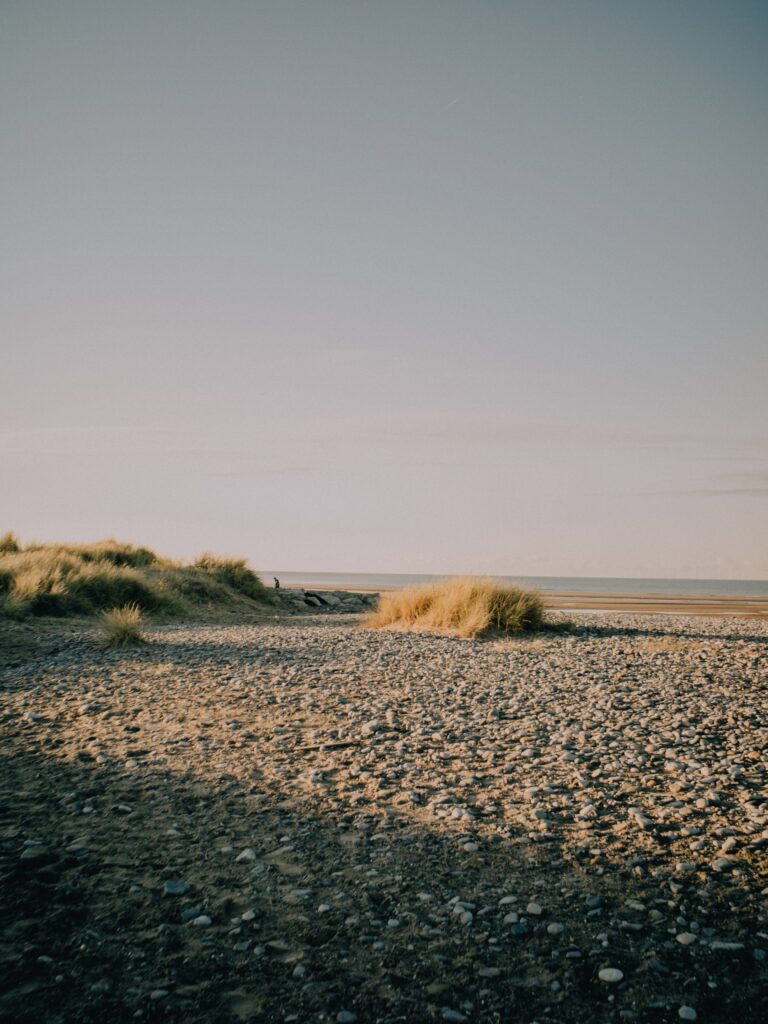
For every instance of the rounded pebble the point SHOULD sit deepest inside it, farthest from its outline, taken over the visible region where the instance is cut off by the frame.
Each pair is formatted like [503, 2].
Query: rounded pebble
[611, 975]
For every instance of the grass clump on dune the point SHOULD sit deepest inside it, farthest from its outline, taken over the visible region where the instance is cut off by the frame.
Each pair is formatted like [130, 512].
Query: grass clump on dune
[62, 581]
[122, 626]
[235, 573]
[465, 606]
[87, 579]
[9, 543]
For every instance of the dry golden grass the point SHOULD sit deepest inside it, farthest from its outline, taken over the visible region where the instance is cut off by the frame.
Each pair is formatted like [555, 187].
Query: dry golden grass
[9, 543]
[234, 572]
[465, 606]
[122, 626]
[82, 580]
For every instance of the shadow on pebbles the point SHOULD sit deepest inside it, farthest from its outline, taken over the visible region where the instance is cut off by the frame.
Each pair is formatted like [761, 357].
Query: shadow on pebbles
[308, 821]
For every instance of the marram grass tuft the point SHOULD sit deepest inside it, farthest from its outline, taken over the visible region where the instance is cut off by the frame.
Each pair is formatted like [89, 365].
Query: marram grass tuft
[465, 606]
[122, 626]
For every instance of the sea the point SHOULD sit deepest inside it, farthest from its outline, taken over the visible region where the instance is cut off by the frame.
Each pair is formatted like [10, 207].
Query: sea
[569, 584]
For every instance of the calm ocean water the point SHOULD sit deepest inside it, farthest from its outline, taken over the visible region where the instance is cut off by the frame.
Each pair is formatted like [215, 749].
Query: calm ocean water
[581, 584]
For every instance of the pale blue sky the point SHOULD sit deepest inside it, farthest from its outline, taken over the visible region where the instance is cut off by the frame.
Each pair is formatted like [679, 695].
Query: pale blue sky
[422, 286]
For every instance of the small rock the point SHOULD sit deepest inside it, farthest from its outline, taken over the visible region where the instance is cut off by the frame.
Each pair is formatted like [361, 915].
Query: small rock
[346, 1017]
[246, 857]
[642, 820]
[611, 975]
[723, 864]
[35, 854]
[173, 887]
[687, 1013]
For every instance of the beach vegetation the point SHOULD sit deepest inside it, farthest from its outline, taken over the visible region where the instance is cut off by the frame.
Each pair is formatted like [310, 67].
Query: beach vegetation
[65, 580]
[464, 606]
[122, 626]
[8, 543]
[234, 572]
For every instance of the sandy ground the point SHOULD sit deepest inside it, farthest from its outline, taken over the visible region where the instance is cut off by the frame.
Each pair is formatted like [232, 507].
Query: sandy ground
[302, 820]
[669, 604]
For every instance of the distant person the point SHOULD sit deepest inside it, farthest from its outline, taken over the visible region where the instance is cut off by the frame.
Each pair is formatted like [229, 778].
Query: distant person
[277, 582]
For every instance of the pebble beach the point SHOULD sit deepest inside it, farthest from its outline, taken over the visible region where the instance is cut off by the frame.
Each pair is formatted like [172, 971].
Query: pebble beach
[306, 820]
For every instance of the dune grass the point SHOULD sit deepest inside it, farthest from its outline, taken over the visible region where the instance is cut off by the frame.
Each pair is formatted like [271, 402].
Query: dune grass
[9, 543]
[84, 580]
[122, 626]
[234, 572]
[465, 606]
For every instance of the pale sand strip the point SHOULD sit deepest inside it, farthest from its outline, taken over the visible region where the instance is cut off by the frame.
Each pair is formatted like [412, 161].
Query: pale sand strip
[672, 604]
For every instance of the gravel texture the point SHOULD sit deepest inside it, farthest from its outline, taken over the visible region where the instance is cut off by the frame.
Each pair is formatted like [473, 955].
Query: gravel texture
[308, 821]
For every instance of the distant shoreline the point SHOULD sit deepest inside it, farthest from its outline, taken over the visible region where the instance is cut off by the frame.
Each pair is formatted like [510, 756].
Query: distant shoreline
[718, 606]
[593, 585]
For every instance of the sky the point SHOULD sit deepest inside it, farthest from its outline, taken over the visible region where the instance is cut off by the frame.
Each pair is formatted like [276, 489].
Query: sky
[410, 286]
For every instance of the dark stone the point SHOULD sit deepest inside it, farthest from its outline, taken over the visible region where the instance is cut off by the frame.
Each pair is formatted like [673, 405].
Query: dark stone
[173, 887]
